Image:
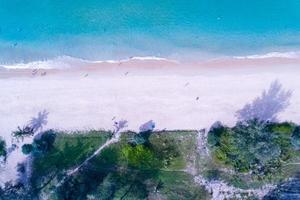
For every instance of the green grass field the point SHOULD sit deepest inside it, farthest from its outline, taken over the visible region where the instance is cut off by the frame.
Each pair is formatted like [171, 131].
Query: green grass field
[160, 167]
[156, 170]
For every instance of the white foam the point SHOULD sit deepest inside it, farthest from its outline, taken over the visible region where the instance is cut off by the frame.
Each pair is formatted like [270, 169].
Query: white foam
[291, 54]
[66, 62]
[137, 58]
[61, 62]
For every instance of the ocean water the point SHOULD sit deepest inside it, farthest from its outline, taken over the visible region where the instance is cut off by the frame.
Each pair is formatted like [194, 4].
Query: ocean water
[32, 30]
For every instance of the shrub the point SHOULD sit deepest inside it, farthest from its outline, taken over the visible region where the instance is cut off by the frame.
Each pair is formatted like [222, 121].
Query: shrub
[27, 149]
[44, 142]
[140, 156]
[295, 140]
[252, 146]
[2, 148]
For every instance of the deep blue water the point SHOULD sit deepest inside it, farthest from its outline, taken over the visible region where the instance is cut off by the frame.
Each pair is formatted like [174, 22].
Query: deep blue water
[109, 29]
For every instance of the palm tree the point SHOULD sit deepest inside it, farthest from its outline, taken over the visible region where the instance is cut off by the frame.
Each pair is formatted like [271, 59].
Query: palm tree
[34, 125]
[21, 133]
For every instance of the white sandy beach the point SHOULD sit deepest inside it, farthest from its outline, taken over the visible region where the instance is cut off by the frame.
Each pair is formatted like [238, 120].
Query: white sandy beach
[91, 99]
[174, 98]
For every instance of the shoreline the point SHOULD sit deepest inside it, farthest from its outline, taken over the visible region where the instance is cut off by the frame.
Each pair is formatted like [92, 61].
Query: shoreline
[69, 65]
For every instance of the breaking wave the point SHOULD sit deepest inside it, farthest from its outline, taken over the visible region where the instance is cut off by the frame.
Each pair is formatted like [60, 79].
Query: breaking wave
[68, 62]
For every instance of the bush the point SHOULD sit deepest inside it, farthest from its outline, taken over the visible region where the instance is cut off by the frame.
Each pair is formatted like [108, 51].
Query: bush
[2, 148]
[252, 146]
[27, 149]
[140, 157]
[44, 142]
[295, 140]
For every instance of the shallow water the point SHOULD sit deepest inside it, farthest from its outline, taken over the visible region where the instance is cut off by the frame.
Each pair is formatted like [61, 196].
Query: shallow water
[101, 29]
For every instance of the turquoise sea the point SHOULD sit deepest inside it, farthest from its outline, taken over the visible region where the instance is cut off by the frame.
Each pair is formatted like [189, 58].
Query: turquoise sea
[114, 29]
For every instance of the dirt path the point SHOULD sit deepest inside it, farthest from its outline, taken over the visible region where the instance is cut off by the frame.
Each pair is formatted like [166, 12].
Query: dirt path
[113, 140]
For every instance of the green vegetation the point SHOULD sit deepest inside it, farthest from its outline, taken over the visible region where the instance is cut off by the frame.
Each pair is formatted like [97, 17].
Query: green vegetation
[158, 165]
[41, 144]
[69, 150]
[2, 148]
[152, 169]
[296, 138]
[27, 149]
[22, 133]
[258, 148]
[149, 185]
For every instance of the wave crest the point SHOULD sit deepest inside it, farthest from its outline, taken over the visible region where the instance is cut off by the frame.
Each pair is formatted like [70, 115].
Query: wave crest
[290, 54]
[68, 62]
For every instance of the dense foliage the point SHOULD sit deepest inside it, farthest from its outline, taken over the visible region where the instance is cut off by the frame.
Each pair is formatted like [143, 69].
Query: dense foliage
[15, 191]
[2, 149]
[148, 165]
[253, 146]
[124, 170]
[42, 143]
[296, 138]
[67, 151]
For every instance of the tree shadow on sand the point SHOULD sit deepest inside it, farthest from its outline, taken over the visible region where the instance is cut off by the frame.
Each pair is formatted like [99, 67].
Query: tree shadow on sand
[266, 107]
